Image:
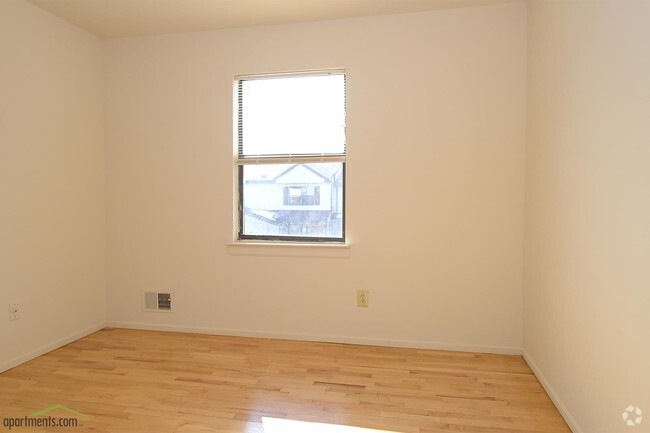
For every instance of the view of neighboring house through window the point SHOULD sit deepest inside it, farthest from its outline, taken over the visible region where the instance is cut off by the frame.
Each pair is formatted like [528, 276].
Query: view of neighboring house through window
[301, 195]
[291, 157]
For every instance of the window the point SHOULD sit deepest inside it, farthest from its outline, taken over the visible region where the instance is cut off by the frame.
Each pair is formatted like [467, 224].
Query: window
[291, 157]
[301, 195]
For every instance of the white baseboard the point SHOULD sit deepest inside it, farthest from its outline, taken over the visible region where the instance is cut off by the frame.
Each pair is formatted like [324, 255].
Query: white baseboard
[411, 344]
[561, 407]
[50, 347]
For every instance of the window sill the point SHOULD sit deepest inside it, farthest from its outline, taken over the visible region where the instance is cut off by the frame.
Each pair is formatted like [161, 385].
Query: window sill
[334, 251]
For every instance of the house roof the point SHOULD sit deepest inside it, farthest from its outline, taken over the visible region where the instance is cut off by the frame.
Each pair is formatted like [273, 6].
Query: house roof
[273, 173]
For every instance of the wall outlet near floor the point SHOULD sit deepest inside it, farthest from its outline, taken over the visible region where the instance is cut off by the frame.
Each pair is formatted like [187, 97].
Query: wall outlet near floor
[14, 313]
[362, 298]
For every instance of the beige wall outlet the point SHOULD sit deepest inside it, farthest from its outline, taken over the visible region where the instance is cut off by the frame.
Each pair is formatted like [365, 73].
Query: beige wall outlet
[362, 298]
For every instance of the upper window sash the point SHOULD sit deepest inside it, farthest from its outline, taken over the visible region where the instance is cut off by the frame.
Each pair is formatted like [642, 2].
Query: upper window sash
[291, 117]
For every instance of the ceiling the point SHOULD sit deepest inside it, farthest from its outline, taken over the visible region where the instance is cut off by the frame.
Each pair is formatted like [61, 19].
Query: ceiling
[123, 18]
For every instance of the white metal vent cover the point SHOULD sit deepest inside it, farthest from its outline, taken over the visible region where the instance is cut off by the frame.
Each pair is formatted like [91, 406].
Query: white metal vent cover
[157, 301]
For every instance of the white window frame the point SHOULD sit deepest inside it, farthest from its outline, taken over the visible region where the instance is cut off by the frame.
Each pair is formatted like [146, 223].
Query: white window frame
[242, 160]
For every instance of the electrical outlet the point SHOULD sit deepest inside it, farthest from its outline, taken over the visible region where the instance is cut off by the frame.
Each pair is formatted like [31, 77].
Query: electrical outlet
[13, 312]
[362, 298]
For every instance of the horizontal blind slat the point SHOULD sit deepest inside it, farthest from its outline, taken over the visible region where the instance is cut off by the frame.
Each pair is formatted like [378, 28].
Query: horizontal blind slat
[289, 159]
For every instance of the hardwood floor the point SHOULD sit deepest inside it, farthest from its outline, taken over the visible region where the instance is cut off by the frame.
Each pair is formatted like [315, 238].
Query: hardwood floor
[142, 381]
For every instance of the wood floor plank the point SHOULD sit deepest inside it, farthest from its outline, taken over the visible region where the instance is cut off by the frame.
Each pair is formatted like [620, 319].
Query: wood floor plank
[140, 381]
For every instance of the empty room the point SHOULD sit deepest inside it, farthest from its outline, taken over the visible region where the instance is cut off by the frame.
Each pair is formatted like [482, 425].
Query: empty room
[325, 216]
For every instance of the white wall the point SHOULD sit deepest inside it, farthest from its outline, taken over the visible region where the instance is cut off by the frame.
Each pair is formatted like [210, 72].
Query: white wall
[587, 325]
[436, 132]
[52, 181]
